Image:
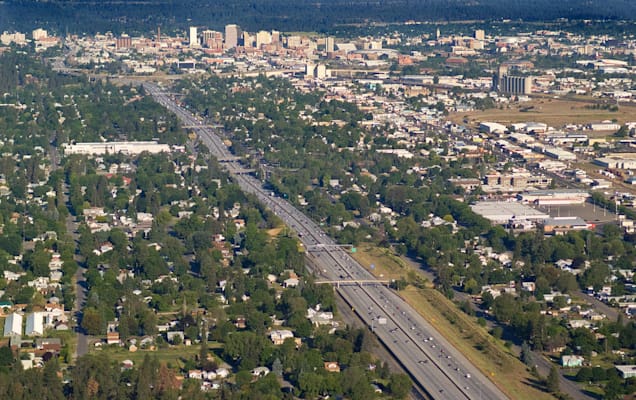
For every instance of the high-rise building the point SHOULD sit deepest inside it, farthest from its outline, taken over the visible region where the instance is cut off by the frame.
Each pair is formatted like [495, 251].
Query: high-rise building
[480, 34]
[505, 83]
[293, 42]
[39, 34]
[330, 44]
[212, 39]
[123, 42]
[275, 37]
[248, 40]
[263, 38]
[194, 40]
[232, 35]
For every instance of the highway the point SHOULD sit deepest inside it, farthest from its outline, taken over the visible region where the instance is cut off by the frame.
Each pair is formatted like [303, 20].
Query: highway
[432, 362]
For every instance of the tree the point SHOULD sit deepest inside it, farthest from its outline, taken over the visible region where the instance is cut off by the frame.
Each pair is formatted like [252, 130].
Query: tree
[526, 354]
[613, 389]
[6, 356]
[399, 385]
[584, 375]
[92, 321]
[552, 381]
[277, 368]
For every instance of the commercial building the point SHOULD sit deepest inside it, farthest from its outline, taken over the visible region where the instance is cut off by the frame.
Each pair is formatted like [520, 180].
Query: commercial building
[263, 38]
[492, 127]
[232, 34]
[514, 181]
[617, 161]
[18, 38]
[555, 197]
[558, 153]
[503, 212]
[100, 148]
[39, 34]
[13, 325]
[330, 44]
[194, 39]
[561, 225]
[123, 42]
[605, 126]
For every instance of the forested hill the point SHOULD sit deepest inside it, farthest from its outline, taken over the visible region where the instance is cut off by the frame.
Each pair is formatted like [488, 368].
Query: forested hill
[90, 16]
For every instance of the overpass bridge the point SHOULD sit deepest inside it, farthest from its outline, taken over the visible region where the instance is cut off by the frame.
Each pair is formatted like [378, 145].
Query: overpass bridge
[215, 126]
[356, 282]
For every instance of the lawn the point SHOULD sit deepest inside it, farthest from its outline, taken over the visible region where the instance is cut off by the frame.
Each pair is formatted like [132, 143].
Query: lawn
[387, 265]
[172, 355]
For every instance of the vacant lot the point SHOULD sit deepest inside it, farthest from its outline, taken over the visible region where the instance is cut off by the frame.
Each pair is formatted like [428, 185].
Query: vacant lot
[173, 355]
[554, 112]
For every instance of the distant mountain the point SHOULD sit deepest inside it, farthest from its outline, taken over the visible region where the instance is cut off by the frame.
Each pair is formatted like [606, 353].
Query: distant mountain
[288, 15]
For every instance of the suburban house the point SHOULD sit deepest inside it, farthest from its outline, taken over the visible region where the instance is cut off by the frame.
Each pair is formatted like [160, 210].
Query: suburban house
[572, 361]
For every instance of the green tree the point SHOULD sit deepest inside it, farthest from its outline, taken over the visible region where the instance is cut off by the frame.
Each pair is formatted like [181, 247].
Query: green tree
[6, 356]
[92, 321]
[552, 381]
[399, 385]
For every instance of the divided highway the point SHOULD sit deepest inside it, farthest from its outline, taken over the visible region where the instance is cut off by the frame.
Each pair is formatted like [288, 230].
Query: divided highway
[432, 362]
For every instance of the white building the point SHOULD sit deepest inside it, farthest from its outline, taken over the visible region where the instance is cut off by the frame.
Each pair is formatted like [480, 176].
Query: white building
[194, 40]
[39, 34]
[492, 127]
[279, 336]
[504, 212]
[34, 324]
[13, 325]
[99, 148]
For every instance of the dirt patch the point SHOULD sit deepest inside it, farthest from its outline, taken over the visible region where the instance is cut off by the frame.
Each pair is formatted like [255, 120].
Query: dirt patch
[554, 112]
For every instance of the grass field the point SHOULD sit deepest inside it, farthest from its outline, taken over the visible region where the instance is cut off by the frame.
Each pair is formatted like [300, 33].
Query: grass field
[488, 354]
[554, 112]
[172, 355]
[386, 265]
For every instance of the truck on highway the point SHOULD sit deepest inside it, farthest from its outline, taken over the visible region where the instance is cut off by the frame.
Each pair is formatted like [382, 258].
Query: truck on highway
[381, 321]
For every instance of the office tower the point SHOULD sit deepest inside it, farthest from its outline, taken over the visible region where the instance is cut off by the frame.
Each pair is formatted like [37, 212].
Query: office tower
[263, 38]
[310, 70]
[40, 34]
[275, 37]
[480, 34]
[248, 40]
[194, 41]
[123, 42]
[232, 35]
[330, 44]
[320, 71]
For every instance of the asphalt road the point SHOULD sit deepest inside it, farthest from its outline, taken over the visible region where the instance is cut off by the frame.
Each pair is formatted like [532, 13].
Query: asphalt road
[80, 281]
[430, 360]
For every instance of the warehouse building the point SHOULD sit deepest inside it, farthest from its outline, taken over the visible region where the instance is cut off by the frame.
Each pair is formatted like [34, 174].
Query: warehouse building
[500, 212]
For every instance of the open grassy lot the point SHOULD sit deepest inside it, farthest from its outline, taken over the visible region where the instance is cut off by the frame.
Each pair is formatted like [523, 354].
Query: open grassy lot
[173, 355]
[386, 265]
[554, 112]
[485, 352]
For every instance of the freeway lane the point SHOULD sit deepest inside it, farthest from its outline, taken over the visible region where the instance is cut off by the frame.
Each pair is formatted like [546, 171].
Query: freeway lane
[432, 362]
